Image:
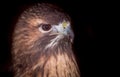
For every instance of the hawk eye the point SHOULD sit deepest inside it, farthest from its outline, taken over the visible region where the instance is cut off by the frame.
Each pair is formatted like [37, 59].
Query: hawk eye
[46, 27]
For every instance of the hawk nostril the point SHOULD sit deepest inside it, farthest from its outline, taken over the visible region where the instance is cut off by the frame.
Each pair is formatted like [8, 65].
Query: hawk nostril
[63, 27]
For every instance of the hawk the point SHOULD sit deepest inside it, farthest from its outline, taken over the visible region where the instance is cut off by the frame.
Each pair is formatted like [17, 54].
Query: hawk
[42, 43]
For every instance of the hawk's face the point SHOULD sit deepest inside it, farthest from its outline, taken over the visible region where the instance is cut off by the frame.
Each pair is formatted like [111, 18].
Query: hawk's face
[54, 33]
[44, 25]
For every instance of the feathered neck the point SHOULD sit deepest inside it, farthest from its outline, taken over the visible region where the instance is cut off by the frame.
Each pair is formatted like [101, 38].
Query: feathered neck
[37, 61]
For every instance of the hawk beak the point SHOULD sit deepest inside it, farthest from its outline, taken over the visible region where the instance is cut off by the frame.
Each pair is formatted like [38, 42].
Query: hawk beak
[65, 29]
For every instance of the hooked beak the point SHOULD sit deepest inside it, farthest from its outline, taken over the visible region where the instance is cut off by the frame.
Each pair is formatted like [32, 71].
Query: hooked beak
[65, 29]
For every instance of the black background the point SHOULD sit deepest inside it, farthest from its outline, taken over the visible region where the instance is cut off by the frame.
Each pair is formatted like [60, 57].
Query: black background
[83, 14]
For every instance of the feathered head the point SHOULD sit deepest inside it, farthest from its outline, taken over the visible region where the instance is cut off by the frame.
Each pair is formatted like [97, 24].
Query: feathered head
[42, 36]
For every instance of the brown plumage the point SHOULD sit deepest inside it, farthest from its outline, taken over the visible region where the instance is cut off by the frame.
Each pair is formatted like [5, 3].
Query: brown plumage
[42, 43]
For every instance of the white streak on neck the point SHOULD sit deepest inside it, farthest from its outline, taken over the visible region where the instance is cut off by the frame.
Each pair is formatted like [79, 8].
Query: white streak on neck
[54, 41]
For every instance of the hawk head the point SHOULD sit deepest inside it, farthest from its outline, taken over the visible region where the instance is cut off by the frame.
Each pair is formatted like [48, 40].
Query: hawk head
[43, 26]
[42, 36]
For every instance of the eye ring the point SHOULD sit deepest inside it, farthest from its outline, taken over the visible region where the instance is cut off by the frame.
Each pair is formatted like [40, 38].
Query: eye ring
[45, 28]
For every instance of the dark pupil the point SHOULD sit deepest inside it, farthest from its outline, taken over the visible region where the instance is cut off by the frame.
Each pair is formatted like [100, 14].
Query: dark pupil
[46, 27]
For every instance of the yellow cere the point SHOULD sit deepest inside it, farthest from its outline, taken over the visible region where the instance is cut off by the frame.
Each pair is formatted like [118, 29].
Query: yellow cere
[64, 24]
